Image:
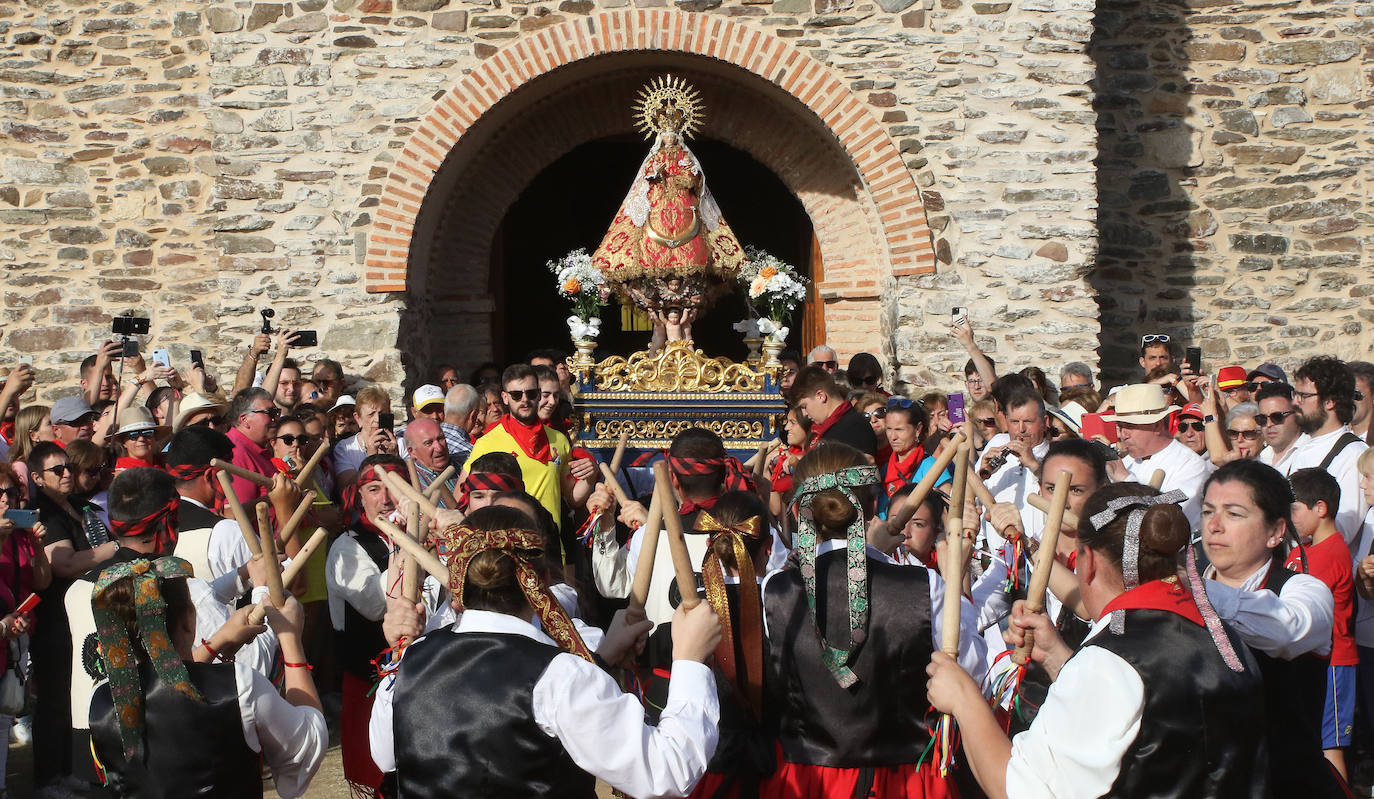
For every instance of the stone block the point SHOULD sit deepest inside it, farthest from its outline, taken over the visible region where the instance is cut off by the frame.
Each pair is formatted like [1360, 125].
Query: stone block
[1260, 243]
[421, 5]
[1289, 115]
[456, 20]
[24, 171]
[231, 244]
[1312, 52]
[1279, 95]
[264, 14]
[1264, 154]
[223, 20]
[1240, 120]
[1214, 51]
[355, 42]
[38, 340]
[238, 189]
[313, 22]
[1336, 85]
[30, 134]
[167, 165]
[76, 235]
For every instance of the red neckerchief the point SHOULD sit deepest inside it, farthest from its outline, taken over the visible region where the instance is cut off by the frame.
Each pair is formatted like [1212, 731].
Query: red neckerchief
[690, 506]
[129, 462]
[7, 430]
[282, 466]
[782, 480]
[532, 439]
[820, 428]
[1157, 595]
[899, 471]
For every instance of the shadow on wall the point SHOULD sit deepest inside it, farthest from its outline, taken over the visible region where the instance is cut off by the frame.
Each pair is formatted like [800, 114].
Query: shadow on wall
[1148, 260]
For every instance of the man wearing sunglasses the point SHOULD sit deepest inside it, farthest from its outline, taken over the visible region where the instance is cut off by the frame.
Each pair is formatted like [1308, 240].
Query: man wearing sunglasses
[253, 415]
[1156, 351]
[72, 418]
[1278, 420]
[542, 452]
[824, 357]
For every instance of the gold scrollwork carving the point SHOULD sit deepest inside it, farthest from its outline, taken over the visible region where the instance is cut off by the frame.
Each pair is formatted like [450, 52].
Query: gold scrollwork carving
[677, 368]
[642, 429]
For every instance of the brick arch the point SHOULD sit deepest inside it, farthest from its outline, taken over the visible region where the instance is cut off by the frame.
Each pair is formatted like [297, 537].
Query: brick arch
[888, 183]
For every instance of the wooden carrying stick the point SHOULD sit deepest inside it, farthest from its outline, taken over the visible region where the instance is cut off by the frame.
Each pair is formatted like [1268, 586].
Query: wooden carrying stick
[648, 548]
[677, 545]
[398, 484]
[918, 494]
[289, 575]
[953, 566]
[1044, 561]
[238, 471]
[980, 490]
[620, 495]
[427, 560]
[410, 578]
[620, 450]
[437, 484]
[269, 554]
[250, 537]
[288, 531]
[320, 452]
[1043, 505]
[1157, 479]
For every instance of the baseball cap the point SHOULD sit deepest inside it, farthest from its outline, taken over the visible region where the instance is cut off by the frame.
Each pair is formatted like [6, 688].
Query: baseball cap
[1231, 377]
[344, 401]
[1192, 409]
[1270, 370]
[427, 395]
[70, 409]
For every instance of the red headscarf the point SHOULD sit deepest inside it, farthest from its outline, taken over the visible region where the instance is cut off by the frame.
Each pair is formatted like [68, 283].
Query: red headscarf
[162, 521]
[486, 481]
[352, 497]
[736, 478]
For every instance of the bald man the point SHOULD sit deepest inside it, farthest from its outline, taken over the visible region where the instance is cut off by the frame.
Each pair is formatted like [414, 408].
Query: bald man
[428, 448]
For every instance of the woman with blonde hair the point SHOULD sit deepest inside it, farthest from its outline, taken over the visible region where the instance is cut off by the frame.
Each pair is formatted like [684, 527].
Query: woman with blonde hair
[32, 424]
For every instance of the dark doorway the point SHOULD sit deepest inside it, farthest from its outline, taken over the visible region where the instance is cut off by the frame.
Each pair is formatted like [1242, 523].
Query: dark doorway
[571, 205]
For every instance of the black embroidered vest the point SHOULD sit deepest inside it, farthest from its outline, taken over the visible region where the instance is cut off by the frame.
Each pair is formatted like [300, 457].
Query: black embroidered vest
[464, 721]
[881, 720]
[361, 639]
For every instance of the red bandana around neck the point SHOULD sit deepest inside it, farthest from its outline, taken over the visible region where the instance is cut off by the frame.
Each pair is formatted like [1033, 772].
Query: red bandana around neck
[1166, 595]
[821, 428]
[900, 470]
[533, 439]
[130, 462]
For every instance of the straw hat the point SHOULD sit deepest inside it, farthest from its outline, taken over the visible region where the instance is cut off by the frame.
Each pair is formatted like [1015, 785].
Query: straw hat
[1141, 403]
[1071, 414]
[194, 403]
[137, 418]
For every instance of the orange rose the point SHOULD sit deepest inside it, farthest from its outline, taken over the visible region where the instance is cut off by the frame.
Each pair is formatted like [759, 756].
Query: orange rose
[768, 271]
[572, 286]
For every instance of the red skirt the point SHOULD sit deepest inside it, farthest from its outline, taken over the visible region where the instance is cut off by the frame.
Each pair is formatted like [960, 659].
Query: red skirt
[907, 781]
[362, 774]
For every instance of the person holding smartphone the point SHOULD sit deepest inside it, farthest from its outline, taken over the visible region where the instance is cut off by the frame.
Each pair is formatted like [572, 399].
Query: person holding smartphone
[24, 570]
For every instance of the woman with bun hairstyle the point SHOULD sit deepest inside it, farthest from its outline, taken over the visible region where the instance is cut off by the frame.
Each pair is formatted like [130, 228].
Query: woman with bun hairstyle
[847, 635]
[1162, 700]
[165, 725]
[495, 707]
[1285, 616]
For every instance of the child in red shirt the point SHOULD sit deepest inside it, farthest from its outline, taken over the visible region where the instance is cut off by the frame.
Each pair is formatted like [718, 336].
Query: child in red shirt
[1328, 559]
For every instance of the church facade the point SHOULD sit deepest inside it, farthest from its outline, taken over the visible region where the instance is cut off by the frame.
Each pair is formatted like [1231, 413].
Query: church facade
[1075, 174]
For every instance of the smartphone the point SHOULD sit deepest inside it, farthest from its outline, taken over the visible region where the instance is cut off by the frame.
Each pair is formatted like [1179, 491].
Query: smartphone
[28, 604]
[197, 359]
[306, 338]
[1193, 357]
[130, 348]
[958, 313]
[955, 403]
[162, 359]
[24, 519]
[386, 421]
[1094, 425]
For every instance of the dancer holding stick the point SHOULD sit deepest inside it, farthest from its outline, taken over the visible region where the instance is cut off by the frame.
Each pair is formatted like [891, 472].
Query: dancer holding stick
[849, 670]
[1158, 661]
[292, 571]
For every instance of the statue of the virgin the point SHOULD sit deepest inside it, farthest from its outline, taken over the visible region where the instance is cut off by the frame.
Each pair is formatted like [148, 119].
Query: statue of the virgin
[668, 250]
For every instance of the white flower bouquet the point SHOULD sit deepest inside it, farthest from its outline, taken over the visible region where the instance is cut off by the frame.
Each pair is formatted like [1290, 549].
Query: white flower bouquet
[580, 281]
[774, 290]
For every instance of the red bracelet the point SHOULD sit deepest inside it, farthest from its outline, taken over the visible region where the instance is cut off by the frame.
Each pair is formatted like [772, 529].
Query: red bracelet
[305, 666]
[214, 653]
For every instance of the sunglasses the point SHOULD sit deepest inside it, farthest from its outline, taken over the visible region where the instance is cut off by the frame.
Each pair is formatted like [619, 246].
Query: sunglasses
[94, 472]
[868, 381]
[1196, 427]
[991, 421]
[59, 470]
[827, 365]
[137, 434]
[529, 394]
[901, 402]
[291, 439]
[1272, 418]
[1241, 387]
[273, 413]
[209, 421]
[1155, 338]
[876, 413]
[82, 422]
[1248, 435]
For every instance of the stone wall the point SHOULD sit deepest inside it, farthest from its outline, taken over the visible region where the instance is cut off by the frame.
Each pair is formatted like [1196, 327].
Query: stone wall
[210, 159]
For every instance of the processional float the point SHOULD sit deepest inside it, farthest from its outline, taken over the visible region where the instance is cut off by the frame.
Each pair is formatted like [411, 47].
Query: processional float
[670, 253]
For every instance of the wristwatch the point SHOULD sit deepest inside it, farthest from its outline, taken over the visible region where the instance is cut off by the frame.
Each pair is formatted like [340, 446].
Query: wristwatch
[1208, 419]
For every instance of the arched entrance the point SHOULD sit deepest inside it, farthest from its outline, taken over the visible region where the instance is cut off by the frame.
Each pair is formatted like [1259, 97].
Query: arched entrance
[570, 204]
[456, 177]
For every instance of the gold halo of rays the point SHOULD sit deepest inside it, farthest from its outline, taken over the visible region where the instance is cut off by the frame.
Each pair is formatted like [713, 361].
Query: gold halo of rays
[669, 103]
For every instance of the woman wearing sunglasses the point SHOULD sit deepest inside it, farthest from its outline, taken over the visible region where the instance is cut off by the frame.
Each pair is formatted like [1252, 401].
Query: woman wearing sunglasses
[139, 436]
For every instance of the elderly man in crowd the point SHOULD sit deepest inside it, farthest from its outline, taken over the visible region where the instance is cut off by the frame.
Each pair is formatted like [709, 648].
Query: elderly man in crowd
[1142, 421]
[462, 414]
[72, 418]
[429, 452]
[824, 357]
[427, 402]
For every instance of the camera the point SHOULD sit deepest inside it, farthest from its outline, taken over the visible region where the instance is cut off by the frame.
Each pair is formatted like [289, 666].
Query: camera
[306, 338]
[130, 325]
[267, 314]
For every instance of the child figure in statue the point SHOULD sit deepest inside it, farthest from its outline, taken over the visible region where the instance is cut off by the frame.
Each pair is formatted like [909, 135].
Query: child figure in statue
[671, 324]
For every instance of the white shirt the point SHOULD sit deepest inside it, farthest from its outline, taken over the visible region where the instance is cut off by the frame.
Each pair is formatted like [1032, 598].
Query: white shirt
[353, 578]
[1266, 455]
[972, 650]
[1183, 469]
[601, 727]
[1011, 483]
[348, 455]
[211, 614]
[1294, 622]
[226, 553]
[1345, 468]
[1096, 703]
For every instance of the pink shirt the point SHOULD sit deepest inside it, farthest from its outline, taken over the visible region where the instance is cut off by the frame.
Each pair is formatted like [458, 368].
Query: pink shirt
[16, 577]
[254, 458]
